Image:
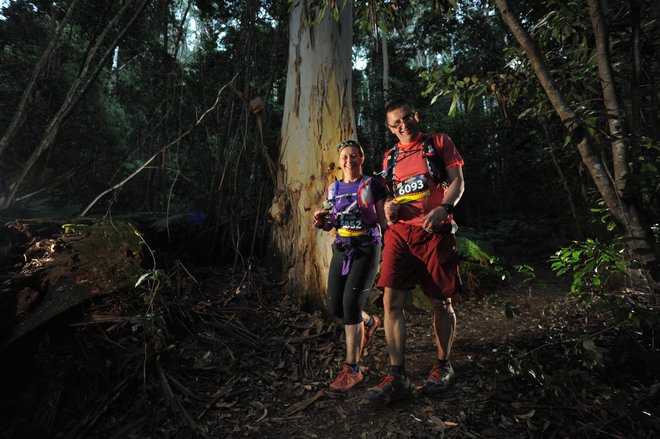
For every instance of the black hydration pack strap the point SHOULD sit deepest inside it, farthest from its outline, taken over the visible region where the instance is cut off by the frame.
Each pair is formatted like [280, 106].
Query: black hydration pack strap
[389, 168]
[434, 163]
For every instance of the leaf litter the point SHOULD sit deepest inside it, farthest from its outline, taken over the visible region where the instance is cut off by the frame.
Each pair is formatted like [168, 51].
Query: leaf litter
[224, 354]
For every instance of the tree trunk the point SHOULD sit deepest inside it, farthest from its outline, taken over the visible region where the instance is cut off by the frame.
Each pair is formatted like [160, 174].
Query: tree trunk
[181, 32]
[636, 114]
[639, 240]
[386, 67]
[611, 100]
[318, 113]
[38, 72]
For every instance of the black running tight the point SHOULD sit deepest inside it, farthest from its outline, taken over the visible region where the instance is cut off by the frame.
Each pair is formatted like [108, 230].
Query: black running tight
[348, 294]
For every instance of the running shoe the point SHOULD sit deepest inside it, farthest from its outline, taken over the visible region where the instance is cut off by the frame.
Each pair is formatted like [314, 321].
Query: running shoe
[439, 379]
[346, 380]
[390, 388]
[369, 332]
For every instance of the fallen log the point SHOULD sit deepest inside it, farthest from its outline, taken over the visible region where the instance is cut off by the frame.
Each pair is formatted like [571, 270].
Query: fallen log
[49, 267]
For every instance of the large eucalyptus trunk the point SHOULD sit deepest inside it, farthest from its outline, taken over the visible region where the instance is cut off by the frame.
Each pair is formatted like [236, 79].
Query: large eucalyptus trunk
[611, 184]
[318, 113]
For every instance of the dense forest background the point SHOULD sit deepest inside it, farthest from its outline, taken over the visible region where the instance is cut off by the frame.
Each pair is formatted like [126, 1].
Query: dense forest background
[190, 94]
[172, 115]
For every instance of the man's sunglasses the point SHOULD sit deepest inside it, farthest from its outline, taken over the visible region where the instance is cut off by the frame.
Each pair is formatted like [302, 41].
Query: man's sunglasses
[405, 119]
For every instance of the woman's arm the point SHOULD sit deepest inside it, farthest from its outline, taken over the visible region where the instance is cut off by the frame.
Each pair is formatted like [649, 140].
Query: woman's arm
[380, 210]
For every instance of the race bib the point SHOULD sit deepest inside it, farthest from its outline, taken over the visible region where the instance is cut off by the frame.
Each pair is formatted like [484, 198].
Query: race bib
[350, 224]
[412, 189]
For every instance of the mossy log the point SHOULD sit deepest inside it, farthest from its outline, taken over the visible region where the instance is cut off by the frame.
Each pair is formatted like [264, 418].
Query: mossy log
[49, 267]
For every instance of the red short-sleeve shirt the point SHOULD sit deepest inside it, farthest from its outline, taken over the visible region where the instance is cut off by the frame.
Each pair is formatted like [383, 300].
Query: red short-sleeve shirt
[411, 171]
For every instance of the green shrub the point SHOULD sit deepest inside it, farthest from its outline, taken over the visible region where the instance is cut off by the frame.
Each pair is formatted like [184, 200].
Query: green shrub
[591, 264]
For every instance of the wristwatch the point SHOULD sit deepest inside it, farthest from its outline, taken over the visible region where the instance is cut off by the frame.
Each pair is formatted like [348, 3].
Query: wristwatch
[449, 208]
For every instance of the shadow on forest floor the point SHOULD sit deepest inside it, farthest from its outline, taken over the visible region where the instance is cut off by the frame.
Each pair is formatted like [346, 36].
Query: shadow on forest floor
[216, 355]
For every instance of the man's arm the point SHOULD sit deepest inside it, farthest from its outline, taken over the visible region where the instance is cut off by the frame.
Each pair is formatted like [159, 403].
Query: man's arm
[452, 196]
[456, 186]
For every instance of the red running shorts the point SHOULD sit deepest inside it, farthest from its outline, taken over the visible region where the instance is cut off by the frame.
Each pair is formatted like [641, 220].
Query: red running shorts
[412, 256]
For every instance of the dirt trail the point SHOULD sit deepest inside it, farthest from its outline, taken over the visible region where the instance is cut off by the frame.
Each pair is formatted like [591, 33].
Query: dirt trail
[479, 404]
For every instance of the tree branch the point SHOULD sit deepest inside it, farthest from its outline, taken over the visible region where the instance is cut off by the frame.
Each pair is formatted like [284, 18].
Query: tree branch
[535, 57]
[160, 151]
[626, 215]
[28, 93]
[580, 135]
[75, 93]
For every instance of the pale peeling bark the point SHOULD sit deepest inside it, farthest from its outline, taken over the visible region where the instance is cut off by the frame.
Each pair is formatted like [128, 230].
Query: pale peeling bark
[386, 66]
[318, 114]
[639, 240]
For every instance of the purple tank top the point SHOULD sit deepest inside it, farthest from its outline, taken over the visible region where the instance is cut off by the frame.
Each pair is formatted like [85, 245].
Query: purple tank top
[355, 226]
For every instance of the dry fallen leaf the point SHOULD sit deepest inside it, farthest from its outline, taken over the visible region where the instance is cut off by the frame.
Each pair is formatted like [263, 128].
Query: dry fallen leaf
[437, 421]
[303, 404]
[527, 415]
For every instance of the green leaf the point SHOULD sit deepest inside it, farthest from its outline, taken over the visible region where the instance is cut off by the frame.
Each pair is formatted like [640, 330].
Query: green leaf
[649, 168]
[453, 106]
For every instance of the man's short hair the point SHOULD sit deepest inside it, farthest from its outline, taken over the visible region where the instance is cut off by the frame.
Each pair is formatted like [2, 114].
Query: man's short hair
[397, 103]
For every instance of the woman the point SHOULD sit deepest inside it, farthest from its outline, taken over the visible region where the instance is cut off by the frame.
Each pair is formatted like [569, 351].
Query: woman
[354, 207]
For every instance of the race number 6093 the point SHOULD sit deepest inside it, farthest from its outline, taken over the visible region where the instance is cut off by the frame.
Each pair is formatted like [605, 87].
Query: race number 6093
[413, 186]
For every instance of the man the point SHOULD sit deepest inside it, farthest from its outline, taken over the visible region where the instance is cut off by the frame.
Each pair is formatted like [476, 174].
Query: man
[419, 246]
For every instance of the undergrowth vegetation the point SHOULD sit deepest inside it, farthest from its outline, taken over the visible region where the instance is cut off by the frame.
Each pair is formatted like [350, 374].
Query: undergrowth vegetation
[605, 368]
